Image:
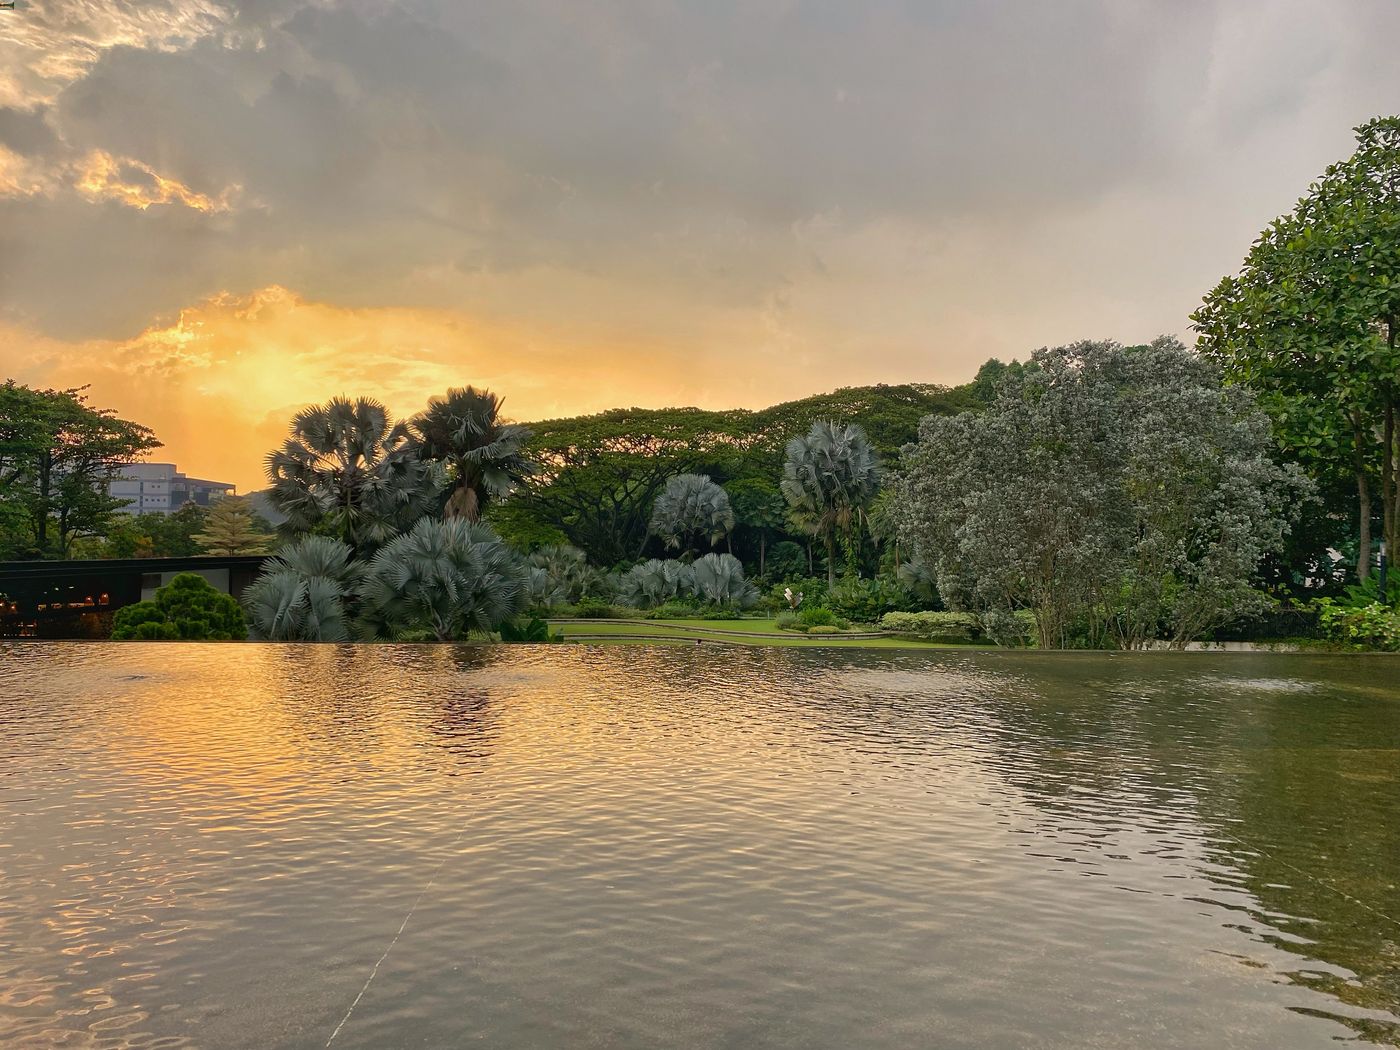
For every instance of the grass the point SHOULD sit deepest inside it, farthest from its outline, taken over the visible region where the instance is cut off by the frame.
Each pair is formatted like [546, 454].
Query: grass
[673, 632]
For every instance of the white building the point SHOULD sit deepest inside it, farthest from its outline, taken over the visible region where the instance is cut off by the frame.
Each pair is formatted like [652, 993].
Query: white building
[158, 488]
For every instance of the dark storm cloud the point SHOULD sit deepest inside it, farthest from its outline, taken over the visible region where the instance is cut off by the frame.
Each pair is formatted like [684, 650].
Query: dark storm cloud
[990, 176]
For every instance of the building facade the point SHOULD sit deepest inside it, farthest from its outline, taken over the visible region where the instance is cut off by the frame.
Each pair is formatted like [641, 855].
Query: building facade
[159, 488]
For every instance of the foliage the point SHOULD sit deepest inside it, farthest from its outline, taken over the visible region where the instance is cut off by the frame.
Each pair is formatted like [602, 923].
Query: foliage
[1122, 487]
[830, 475]
[188, 609]
[598, 476]
[945, 627]
[348, 471]
[597, 609]
[719, 580]
[561, 575]
[867, 600]
[148, 536]
[920, 581]
[442, 579]
[304, 593]
[483, 456]
[759, 511]
[816, 616]
[655, 582]
[822, 628]
[231, 528]
[786, 620]
[786, 561]
[691, 506]
[57, 456]
[1312, 321]
[532, 630]
[1372, 626]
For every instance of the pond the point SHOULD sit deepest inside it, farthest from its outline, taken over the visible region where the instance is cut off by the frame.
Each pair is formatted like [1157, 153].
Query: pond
[527, 846]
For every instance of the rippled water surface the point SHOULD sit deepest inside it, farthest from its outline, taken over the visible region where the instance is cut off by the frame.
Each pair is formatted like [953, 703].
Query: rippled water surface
[517, 846]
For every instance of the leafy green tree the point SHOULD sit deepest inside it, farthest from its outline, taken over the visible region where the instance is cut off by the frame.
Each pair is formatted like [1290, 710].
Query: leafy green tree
[348, 471]
[147, 536]
[484, 456]
[187, 609]
[691, 507]
[1311, 322]
[57, 456]
[830, 477]
[442, 580]
[231, 528]
[305, 593]
[1122, 491]
[759, 510]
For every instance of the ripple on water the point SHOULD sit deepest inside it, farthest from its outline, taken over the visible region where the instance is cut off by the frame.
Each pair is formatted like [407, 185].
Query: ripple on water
[217, 845]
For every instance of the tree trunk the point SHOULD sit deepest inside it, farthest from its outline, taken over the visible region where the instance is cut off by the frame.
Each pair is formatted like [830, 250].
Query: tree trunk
[1388, 493]
[463, 504]
[1363, 501]
[761, 545]
[830, 561]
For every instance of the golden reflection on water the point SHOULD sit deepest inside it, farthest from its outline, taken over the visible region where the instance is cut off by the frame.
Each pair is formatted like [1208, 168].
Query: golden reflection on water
[210, 845]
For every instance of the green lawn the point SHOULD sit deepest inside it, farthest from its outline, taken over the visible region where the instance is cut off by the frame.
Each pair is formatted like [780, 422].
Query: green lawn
[687, 631]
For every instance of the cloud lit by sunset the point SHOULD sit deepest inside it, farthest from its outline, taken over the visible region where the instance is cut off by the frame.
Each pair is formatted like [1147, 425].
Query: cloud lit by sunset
[216, 213]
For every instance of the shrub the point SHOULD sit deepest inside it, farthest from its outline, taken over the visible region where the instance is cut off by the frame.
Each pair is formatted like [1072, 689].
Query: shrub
[786, 620]
[933, 626]
[868, 600]
[532, 630]
[596, 609]
[186, 609]
[817, 616]
[822, 628]
[656, 582]
[1368, 626]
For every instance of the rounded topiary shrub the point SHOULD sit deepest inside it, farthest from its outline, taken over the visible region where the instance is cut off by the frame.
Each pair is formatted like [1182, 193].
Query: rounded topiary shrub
[187, 609]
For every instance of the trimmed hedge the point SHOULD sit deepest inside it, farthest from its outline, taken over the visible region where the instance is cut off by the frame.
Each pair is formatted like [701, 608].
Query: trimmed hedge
[933, 626]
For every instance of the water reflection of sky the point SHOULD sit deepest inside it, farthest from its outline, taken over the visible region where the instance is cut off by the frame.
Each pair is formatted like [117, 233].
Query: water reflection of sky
[635, 847]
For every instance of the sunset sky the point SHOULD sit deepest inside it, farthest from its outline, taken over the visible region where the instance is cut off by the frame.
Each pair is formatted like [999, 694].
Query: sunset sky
[215, 213]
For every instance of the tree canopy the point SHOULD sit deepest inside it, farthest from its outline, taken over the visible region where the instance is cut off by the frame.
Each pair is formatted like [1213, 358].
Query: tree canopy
[1312, 320]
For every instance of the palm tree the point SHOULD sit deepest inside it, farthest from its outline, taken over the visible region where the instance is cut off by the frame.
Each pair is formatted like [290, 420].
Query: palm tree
[442, 580]
[691, 506]
[719, 578]
[829, 478]
[302, 593]
[346, 469]
[560, 575]
[484, 457]
[655, 582]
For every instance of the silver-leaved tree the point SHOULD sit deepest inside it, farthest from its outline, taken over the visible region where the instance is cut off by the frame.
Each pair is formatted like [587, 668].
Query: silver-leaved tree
[1122, 494]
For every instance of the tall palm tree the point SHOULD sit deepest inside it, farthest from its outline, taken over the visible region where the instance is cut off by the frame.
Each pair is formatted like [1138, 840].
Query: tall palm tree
[348, 470]
[442, 580]
[830, 476]
[691, 506]
[484, 456]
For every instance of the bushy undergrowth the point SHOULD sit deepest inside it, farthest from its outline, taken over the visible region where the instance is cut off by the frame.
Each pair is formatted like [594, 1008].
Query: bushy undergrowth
[1371, 626]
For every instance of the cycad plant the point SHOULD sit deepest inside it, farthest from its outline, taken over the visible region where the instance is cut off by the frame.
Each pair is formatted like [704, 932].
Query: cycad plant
[302, 594]
[349, 471]
[442, 580]
[719, 579]
[691, 507]
[829, 478]
[484, 457]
